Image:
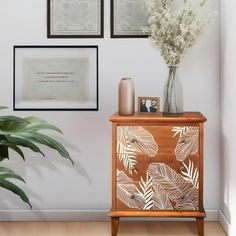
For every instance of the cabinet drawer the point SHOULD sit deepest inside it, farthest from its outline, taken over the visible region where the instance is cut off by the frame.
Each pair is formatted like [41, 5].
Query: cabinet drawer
[162, 189]
[138, 146]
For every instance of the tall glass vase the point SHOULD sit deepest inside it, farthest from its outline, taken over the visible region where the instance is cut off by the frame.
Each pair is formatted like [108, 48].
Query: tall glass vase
[173, 94]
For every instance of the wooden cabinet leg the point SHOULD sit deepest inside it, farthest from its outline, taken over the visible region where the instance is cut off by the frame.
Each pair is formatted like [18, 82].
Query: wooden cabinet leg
[114, 225]
[200, 226]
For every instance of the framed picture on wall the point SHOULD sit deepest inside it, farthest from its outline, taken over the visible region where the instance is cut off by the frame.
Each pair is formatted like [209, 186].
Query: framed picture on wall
[55, 78]
[128, 17]
[148, 105]
[75, 18]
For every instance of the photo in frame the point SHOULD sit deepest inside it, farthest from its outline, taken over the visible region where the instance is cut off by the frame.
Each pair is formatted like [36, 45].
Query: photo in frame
[149, 105]
[128, 18]
[75, 18]
[55, 78]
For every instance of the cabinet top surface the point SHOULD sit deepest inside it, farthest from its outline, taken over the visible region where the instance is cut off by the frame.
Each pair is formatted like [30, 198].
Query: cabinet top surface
[188, 117]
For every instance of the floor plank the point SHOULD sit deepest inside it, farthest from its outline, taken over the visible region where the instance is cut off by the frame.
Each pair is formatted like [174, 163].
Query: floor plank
[103, 229]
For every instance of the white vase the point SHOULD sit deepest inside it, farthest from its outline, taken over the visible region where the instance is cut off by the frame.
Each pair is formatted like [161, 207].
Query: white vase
[126, 97]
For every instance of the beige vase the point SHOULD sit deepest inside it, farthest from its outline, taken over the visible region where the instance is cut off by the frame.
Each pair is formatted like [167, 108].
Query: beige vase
[126, 97]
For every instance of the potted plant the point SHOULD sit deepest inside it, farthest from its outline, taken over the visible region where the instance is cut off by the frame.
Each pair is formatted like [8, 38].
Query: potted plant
[15, 133]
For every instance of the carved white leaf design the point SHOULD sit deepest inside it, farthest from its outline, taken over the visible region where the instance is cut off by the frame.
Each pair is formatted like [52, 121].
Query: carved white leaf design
[182, 194]
[179, 130]
[188, 142]
[141, 140]
[128, 192]
[127, 155]
[132, 140]
[160, 198]
[191, 174]
[147, 192]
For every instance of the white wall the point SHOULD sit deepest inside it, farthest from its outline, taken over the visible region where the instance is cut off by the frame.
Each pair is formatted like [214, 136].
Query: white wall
[53, 183]
[228, 116]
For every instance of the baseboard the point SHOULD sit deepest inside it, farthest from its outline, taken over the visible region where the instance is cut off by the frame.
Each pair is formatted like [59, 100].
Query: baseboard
[80, 215]
[55, 215]
[224, 222]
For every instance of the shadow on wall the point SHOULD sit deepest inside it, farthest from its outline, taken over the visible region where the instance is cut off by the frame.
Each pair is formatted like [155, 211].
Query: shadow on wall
[36, 162]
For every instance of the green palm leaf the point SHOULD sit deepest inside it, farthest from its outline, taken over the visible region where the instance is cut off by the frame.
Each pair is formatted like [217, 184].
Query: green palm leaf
[6, 173]
[40, 126]
[24, 143]
[13, 147]
[45, 140]
[2, 107]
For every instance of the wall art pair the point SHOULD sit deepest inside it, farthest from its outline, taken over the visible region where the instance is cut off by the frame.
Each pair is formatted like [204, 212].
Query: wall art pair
[85, 18]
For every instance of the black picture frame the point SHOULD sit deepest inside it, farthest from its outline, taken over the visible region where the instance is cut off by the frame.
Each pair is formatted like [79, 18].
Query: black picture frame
[25, 64]
[50, 34]
[113, 20]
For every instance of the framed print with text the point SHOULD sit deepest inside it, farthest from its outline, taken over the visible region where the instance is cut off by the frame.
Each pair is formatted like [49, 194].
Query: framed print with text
[75, 18]
[55, 78]
[128, 17]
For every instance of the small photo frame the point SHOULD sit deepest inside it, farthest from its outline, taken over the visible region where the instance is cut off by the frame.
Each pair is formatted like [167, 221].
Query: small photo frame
[128, 18]
[75, 18]
[148, 105]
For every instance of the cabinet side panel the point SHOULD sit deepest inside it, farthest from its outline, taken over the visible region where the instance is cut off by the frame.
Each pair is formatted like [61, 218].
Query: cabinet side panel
[201, 149]
[114, 166]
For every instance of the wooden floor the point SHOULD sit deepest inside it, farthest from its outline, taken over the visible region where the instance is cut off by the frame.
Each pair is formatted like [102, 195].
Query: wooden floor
[103, 229]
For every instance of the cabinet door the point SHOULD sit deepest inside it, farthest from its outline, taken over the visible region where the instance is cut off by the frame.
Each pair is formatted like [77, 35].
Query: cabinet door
[157, 167]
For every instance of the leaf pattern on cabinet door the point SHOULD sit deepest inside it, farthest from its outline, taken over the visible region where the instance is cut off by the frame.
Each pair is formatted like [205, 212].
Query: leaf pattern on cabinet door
[188, 142]
[191, 174]
[182, 194]
[132, 140]
[128, 192]
[160, 198]
[147, 192]
[141, 140]
[127, 155]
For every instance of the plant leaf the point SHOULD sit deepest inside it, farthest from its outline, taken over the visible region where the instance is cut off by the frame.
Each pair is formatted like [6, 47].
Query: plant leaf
[13, 188]
[3, 152]
[11, 124]
[183, 195]
[13, 147]
[2, 107]
[45, 140]
[40, 126]
[187, 144]
[5, 170]
[11, 176]
[24, 143]
[33, 119]
[128, 192]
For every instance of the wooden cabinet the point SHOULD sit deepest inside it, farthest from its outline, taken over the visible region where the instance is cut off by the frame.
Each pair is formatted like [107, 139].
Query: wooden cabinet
[157, 167]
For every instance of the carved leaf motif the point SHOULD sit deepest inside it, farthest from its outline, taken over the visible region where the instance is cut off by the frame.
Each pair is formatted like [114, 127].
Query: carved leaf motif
[182, 194]
[127, 155]
[188, 142]
[141, 140]
[160, 198]
[190, 174]
[147, 192]
[128, 192]
[132, 140]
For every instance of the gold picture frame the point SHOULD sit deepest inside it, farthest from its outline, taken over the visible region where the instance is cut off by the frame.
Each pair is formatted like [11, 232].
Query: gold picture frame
[149, 105]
